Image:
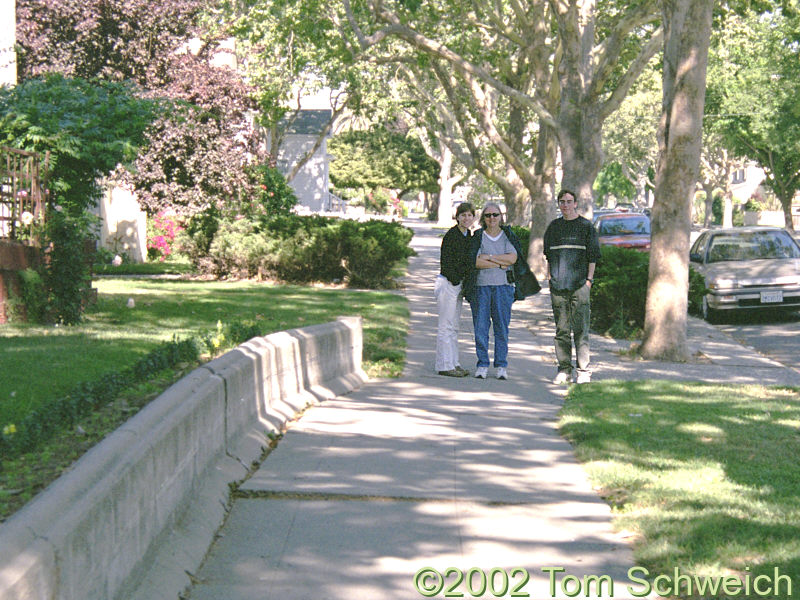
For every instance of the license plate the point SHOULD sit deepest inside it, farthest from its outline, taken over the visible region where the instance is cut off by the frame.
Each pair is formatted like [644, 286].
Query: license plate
[768, 297]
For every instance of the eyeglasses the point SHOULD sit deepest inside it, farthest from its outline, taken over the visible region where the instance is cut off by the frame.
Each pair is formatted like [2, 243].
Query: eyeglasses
[566, 201]
[491, 214]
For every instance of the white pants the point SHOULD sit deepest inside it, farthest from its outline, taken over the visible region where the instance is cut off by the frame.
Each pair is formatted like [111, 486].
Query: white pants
[449, 300]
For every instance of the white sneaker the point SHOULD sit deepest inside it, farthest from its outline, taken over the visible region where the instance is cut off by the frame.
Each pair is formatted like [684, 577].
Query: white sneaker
[583, 377]
[501, 373]
[481, 372]
[562, 378]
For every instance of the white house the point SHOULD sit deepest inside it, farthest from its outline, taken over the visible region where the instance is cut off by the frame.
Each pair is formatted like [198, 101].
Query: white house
[311, 182]
[8, 38]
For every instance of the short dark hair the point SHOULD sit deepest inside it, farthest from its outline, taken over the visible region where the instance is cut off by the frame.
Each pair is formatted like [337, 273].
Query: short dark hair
[464, 207]
[564, 192]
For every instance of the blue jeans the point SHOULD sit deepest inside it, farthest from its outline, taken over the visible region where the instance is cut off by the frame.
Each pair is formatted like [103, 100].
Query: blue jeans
[492, 302]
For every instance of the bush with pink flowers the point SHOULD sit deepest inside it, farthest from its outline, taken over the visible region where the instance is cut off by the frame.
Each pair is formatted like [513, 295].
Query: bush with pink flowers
[161, 232]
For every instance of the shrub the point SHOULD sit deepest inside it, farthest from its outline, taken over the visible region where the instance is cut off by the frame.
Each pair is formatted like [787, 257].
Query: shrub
[754, 205]
[195, 239]
[32, 295]
[619, 292]
[161, 232]
[697, 289]
[372, 249]
[69, 244]
[238, 250]
[275, 195]
[297, 248]
[284, 226]
[524, 236]
[716, 210]
[314, 254]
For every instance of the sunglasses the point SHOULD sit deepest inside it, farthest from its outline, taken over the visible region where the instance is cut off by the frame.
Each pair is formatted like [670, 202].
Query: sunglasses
[491, 214]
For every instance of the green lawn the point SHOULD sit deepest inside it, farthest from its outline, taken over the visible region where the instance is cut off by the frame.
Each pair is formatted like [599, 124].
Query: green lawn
[38, 363]
[706, 477]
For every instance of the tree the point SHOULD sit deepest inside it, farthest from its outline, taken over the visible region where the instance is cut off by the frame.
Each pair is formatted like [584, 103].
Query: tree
[88, 128]
[197, 152]
[716, 164]
[630, 134]
[110, 39]
[687, 25]
[289, 54]
[524, 88]
[612, 182]
[380, 158]
[755, 97]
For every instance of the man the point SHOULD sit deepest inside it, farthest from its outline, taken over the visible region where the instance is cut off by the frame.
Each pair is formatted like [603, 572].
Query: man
[572, 251]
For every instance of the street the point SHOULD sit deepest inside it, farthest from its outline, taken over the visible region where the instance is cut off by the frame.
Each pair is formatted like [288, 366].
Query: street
[774, 334]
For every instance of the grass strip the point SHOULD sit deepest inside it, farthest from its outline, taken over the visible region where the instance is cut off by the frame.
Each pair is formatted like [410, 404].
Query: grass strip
[40, 365]
[706, 477]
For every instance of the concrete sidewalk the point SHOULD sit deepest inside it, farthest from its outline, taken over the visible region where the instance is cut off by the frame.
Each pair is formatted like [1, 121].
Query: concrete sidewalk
[431, 471]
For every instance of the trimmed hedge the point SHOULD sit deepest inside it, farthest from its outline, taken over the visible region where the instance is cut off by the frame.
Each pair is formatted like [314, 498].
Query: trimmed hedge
[300, 249]
[619, 292]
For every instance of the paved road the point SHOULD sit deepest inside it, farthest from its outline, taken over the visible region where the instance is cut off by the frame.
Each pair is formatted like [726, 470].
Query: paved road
[772, 334]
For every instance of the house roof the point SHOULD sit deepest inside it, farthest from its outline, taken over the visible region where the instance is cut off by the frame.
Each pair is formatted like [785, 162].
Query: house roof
[309, 122]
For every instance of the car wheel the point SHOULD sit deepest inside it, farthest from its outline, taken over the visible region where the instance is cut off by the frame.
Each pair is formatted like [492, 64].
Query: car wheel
[712, 315]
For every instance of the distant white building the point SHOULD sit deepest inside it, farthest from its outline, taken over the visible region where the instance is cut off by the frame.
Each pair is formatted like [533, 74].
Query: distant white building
[311, 182]
[8, 39]
[746, 180]
[123, 223]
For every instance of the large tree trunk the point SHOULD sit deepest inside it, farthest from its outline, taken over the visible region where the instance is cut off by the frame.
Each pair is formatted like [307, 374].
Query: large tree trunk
[786, 205]
[580, 137]
[687, 26]
[708, 188]
[445, 213]
[542, 199]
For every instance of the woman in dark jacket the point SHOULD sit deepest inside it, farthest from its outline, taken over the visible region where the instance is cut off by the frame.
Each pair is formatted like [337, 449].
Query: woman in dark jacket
[447, 291]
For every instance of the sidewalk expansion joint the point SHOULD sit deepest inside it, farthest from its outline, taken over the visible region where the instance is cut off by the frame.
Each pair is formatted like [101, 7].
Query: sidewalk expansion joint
[317, 496]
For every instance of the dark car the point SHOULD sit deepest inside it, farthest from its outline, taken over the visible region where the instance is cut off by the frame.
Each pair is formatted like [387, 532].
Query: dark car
[747, 268]
[624, 230]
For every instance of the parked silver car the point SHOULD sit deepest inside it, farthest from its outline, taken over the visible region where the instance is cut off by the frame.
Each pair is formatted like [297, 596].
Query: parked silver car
[747, 268]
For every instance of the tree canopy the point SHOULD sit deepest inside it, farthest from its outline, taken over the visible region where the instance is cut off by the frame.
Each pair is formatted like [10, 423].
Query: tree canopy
[88, 128]
[754, 97]
[196, 152]
[110, 39]
[379, 158]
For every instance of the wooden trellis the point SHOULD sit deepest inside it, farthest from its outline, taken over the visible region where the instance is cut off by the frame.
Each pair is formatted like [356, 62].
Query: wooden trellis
[23, 194]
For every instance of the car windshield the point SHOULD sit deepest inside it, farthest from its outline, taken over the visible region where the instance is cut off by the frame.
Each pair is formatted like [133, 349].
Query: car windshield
[752, 245]
[624, 226]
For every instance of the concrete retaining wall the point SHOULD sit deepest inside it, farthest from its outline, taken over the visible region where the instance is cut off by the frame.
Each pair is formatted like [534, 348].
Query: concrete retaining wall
[140, 508]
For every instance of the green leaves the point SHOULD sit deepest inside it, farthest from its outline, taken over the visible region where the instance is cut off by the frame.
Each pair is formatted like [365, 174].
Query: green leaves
[380, 158]
[88, 127]
[754, 94]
